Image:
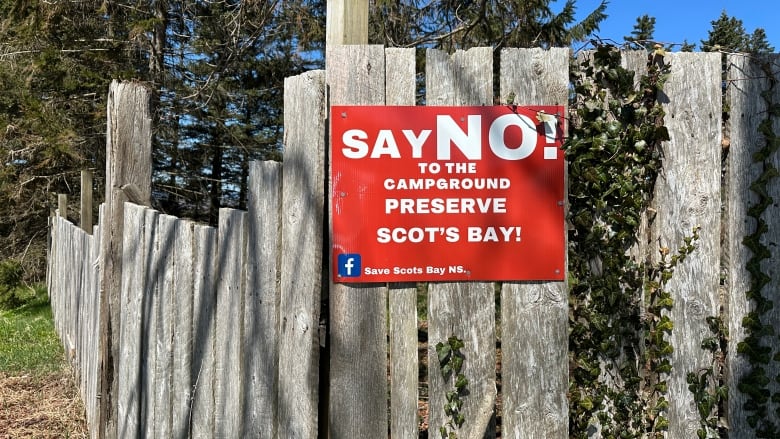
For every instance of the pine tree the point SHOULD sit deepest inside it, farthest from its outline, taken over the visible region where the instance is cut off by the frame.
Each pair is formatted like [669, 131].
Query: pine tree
[728, 35]
[642, 34]
[454, 24]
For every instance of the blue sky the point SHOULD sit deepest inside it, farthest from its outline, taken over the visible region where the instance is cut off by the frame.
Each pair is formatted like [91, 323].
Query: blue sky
[678, 20]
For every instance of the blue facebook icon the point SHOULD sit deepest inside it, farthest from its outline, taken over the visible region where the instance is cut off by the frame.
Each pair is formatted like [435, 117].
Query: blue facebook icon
[349, 265]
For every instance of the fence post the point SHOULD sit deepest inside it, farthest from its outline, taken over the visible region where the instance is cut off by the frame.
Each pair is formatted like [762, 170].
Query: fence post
[128, 165]
[62, 205]
[86, 201]
[346, 22]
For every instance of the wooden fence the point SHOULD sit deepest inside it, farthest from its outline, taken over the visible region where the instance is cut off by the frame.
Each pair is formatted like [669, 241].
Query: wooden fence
[238, 332]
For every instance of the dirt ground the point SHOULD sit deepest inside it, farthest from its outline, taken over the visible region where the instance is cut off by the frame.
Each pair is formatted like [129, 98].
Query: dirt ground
[40, 407]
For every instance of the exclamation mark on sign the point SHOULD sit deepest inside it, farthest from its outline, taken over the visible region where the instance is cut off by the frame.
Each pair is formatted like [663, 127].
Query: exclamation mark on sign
[550, 129]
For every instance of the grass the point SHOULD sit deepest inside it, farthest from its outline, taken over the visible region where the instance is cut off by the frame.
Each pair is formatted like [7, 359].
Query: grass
[38, 398]
[28, 342]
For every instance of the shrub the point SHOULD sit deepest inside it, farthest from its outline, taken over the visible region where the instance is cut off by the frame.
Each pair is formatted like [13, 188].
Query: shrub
[11, 290]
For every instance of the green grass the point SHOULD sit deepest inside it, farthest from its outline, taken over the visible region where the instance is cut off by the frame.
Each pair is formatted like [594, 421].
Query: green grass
[28, 343]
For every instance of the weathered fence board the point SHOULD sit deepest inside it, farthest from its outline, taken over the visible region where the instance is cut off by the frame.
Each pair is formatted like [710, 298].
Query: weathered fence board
[164, 257]
[465, 310]
[261, 309]
[181, 314]
[402, 298]
[746, 81]
[534, 315]
[303, 203]
[150, 330]
[204, 302]
[91, 397]
[358, 313]
[131, 338]
[128, 162]
[687, 194]
[229, 322]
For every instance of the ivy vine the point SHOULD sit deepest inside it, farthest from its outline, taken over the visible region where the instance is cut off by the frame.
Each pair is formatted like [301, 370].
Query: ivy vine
[708, 385]
[755, 384]
[618, 328]
[450, 364]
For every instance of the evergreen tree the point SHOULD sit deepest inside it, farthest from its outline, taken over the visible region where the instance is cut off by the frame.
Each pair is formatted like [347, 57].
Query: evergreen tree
[758, 42]
[56, 60]
[642, 34]
[728, 34]
[216, 70]
[454, 24]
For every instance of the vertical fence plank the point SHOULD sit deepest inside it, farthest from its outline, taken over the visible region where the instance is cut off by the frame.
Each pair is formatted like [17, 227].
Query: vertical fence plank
[303, 183]
[466, 310]
[534, 315]
[358, 313]
[129, 375]
[261, 314]
[128, 162]
[183, 292]
[747, 80]
[203, 330]
[163, 271]
[149, 328]
[86, 201]
[92, 400]
[688, 195]
[229, 322]
[402, 298]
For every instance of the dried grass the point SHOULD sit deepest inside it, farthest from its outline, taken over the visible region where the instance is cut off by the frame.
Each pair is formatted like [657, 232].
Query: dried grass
[41, 407]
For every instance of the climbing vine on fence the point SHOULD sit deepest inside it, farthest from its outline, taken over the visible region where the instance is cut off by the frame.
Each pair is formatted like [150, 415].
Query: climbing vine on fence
[618, 343]
[450, 363]
[755, 384]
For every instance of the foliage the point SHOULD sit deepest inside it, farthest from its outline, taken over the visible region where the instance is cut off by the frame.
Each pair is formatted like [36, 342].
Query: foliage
[707, 385]
[216, 70]
[11, 291]
[728, 34]
[617, 305]
[450, 364]
[642, 34]
[453, 24]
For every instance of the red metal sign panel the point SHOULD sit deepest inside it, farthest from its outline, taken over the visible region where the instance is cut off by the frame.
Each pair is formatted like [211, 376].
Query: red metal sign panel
[447, 193]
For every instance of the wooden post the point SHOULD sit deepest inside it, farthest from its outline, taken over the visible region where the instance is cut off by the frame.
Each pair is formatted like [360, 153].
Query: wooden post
[86, 201]
[62, 205]
[128, 164]
[346, 22]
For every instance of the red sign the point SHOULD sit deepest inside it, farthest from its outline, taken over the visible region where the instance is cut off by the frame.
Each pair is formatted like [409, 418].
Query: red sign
[447, 193]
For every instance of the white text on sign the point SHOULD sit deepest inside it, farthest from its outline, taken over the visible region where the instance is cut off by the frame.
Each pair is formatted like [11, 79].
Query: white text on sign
[448, 133]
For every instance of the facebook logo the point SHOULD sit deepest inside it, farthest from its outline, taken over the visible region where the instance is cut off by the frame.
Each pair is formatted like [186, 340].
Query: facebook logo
[349, 265]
